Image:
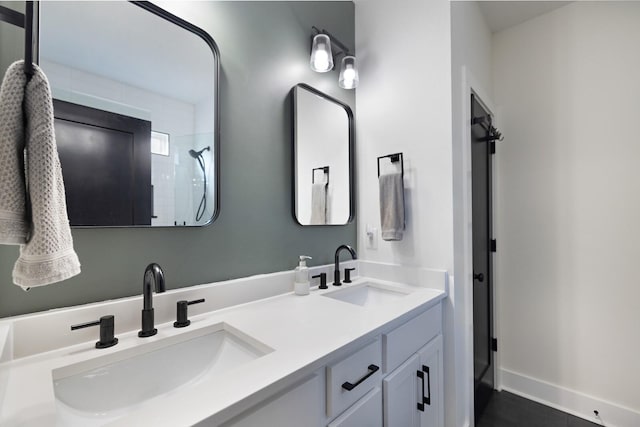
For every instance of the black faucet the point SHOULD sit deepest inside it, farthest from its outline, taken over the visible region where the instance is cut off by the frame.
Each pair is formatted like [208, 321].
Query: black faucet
[153, 273]
[336, 272]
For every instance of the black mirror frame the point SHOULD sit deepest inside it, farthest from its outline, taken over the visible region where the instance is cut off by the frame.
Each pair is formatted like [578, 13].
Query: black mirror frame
[352, 165]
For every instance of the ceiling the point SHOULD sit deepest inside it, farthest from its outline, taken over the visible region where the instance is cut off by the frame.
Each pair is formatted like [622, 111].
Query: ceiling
[501, 15]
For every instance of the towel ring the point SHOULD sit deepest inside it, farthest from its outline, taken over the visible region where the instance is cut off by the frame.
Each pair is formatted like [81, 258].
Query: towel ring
[395, 157]
[324, 169]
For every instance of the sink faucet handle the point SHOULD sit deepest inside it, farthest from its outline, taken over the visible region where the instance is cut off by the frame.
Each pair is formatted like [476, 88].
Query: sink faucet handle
[323, 280]
[347, 275]
[107, 328]
[182, 319]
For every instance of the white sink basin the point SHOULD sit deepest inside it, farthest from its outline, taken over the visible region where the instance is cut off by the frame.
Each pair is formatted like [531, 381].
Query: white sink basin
[369, 294]
[105, 388]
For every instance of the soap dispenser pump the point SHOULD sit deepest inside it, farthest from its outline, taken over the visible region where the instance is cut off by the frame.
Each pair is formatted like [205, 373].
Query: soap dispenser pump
[301, 283]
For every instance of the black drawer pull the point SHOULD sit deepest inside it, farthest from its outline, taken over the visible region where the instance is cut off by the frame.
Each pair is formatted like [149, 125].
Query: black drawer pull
[349, 386]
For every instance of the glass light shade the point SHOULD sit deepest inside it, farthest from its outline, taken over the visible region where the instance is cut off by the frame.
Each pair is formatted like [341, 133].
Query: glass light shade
[348, 73]
[321, 57]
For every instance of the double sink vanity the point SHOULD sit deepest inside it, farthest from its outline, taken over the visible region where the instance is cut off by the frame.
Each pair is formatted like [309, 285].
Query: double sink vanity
[253, 354]
[243, 352]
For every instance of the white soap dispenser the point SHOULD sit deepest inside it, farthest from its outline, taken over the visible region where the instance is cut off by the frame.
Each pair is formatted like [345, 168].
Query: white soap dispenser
[301, 282]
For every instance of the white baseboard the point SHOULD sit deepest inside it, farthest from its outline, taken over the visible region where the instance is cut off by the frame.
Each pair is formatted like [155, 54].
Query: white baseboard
[570, 401]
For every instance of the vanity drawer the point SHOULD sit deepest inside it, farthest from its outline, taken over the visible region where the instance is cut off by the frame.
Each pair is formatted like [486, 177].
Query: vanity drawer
[406, 339]
[366, 412]
[359, 372]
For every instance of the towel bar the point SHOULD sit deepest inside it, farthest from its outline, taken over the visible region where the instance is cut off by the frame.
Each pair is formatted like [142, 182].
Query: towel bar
[395, 157]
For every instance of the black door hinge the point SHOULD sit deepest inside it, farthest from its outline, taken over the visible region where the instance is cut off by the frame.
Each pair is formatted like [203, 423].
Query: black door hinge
[493, 245]
[494, 344]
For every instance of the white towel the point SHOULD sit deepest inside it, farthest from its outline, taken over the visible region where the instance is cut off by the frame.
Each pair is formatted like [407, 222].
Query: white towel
[47, 256]
[319, 203]
[13, 221]
[391, 206]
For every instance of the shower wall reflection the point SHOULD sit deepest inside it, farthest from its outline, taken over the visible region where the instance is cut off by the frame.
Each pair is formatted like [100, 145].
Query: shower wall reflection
[182, 193]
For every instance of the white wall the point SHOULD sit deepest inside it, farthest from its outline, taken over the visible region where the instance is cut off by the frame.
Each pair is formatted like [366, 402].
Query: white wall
[470, 69]
[403, 104]
[568, 206]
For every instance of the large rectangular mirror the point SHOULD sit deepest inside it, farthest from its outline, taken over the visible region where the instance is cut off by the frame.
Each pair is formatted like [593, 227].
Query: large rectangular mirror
[323, 158]
[135, 99]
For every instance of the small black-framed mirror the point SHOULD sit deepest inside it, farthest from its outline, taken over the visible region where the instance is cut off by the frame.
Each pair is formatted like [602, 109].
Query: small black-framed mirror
[323, 158]
[139, 67]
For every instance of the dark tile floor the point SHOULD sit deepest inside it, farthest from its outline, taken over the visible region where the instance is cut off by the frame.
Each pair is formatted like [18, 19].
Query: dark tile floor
[508, 410]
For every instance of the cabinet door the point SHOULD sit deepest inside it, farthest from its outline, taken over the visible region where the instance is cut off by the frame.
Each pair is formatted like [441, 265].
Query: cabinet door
[401, 395]
[430, 361]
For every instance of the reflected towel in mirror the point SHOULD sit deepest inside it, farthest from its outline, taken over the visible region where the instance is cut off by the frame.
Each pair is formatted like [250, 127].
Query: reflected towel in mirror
[319, 203]
[391, 206]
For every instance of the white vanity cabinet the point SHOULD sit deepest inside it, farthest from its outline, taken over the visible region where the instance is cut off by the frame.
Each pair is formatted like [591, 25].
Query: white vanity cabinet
[412, 393]
[394, 380]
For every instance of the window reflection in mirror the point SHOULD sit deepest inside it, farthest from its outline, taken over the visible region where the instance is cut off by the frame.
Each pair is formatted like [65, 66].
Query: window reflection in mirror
[323, 155]
[121, 58]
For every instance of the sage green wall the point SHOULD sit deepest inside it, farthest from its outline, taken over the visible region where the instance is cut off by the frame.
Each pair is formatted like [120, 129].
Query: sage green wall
[264, 49]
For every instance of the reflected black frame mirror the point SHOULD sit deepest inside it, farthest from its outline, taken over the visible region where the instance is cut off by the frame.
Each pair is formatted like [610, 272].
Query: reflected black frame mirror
[323, 190]
[185, 151]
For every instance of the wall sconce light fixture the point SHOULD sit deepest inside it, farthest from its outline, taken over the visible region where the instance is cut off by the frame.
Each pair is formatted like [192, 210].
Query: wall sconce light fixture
[322, 58]
[348, 73]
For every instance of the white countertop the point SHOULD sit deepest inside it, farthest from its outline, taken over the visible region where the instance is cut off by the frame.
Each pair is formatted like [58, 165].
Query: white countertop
[305, 332]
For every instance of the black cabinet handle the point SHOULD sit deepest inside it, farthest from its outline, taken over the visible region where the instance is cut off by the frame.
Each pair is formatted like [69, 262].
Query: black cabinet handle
[372, 370]
[425, 399]
[479, 277]
[420, 375]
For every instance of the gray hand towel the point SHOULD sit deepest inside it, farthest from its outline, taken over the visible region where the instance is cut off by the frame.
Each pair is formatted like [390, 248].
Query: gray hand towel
[319, 203]
[391, 206]
[48, 255]
[13, 221]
